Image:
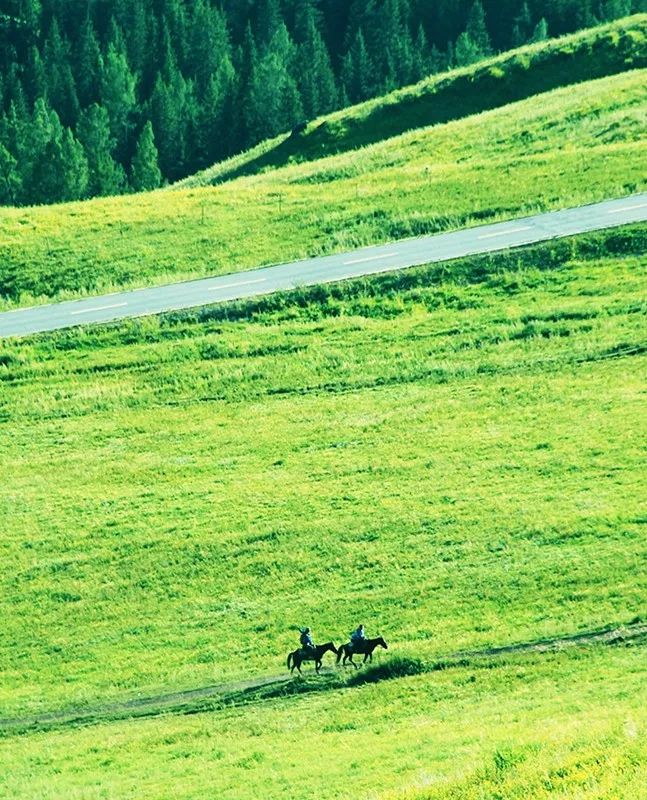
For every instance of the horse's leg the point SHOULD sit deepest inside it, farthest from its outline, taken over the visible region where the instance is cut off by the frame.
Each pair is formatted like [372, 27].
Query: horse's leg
[317, 666]
[353, 663]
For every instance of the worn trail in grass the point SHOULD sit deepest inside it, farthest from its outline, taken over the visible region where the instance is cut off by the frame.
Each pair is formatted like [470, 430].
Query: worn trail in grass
[244, 691]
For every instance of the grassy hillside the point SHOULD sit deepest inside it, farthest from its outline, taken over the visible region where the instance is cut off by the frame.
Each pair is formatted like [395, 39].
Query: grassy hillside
[302, 447]
[568, 726]
[451, 455]
[569, 146]
[594, 53]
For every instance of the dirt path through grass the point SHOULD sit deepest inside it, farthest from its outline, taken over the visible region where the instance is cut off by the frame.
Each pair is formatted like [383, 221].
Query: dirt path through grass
[233, 692]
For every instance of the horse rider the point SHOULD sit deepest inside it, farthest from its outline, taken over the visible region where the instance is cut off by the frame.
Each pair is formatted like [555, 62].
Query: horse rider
[307, 645]
[357, 638]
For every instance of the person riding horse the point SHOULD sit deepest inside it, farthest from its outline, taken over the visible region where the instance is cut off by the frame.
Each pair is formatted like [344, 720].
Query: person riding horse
[358, 638]
[306, 641]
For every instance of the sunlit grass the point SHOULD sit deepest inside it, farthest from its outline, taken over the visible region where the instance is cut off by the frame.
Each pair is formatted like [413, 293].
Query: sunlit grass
[457, 463]
[574, 145]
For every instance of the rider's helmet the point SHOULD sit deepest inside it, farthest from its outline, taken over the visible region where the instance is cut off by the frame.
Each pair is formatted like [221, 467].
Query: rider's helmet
[306, 630]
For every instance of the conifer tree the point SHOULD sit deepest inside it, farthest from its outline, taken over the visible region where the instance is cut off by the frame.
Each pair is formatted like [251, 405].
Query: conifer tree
[35, 82]
[522, 26]
[466, 51]
[273, 103]
[74, 168]
[10, 181]
[540, 32]
[422, 64]
[214, 112]
[61, 90]
[30, 13]
[357, 71]
[145, 172]
[88, 64]
[58, 168]
[477, 29]
[316, 79]
[105, 175]
[118, 96]
[210, 44]
[614, 9]
[268, 21]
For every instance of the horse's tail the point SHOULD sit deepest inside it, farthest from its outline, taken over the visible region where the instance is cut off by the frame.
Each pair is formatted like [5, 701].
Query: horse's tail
[289, 660]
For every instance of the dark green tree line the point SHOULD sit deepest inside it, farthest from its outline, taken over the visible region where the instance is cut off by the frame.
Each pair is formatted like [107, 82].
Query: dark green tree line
[102, 97]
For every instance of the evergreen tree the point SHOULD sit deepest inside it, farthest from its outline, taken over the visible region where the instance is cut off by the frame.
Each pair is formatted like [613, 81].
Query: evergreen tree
[58, 169]
[118, 96]
[541, 31]
[422, 62]
[105, 176]
[173, 114]
[392, 47]
[466, 51]
[74, 168]
[522, 26]
[477, 29]
[316, 79]
[268, 21]
[145, 172]
[614, 9]
[10, 181]
[214, 112]
[61, 89]
[35, 81]
[30, 13]
[273, 104]
[357, 71]
[88, 64]
[210, 44]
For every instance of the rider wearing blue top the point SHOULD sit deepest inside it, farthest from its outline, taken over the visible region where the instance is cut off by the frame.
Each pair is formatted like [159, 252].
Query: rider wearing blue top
[306, 639]
[358, 637]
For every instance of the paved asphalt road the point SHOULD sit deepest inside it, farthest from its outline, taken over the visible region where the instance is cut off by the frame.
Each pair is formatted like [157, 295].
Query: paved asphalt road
[367, 261]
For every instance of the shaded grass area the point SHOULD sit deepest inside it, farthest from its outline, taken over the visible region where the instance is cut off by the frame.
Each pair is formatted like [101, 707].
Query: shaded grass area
[572, 146]
[564, 724]
[530, 70]
[452, 457]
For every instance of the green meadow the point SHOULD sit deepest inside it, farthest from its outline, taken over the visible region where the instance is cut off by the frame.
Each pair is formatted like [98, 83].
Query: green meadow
[566, 726]
[452, 455]
[570, 146]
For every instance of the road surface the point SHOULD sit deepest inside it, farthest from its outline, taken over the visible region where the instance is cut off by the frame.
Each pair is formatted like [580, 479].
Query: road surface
[326, 269]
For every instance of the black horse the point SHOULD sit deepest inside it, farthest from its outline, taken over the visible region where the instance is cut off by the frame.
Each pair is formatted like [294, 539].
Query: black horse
[365, 647]
[296, 658]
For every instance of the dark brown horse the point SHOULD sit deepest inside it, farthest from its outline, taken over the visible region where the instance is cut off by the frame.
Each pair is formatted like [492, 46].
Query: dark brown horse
[296, 658]
[364, 648]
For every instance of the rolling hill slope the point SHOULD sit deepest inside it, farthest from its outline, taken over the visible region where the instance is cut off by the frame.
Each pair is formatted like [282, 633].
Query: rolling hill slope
[513, 76]
[452, 457]
[570, 146]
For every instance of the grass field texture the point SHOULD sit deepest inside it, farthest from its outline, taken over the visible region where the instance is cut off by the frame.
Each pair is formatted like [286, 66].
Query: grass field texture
[455, 458]
[570, 146]
[452, 455]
